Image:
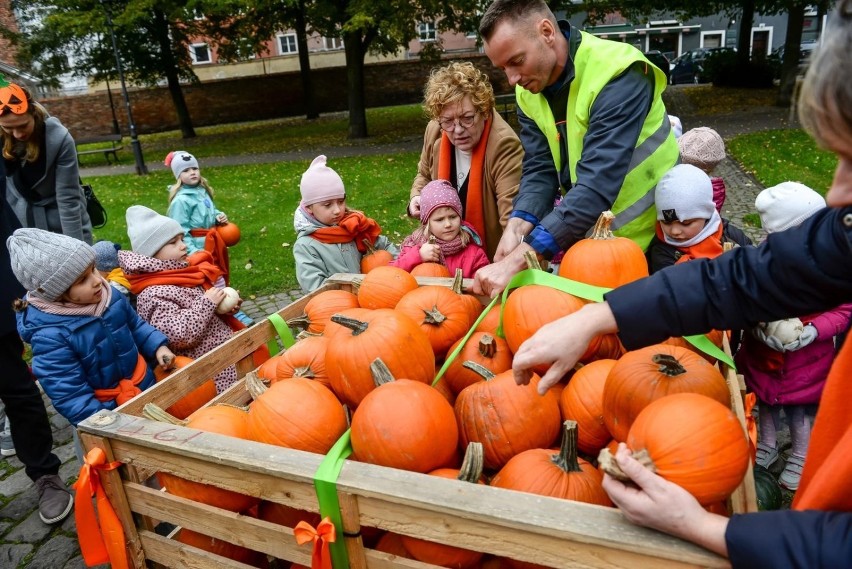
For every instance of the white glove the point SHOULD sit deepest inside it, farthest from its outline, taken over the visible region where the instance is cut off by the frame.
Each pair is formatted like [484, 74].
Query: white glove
[807, 337]
[768, 339]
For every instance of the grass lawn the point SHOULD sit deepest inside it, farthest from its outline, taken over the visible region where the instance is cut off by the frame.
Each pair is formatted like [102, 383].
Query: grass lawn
[261, 199]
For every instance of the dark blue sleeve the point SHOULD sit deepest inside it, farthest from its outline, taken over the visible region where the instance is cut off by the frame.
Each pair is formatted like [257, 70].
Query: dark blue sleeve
[790, 539]
[615, 121]
[799, 271]
[539, 186]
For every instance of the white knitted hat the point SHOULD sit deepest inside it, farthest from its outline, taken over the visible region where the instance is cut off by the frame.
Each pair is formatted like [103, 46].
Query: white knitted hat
[677, 126]
[702, 147]
[148, 230]
[786, 205]
[47, 263]
[684, 192]
[320, 183]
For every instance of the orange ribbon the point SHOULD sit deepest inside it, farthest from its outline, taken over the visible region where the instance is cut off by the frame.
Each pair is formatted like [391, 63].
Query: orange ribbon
[321, 536]
[99, 542]
[751, 424]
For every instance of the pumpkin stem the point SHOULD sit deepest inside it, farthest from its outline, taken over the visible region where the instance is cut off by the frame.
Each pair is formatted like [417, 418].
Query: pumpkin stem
[458, 282]
[434, 316]
[471, 468]
[381, 373]
[302, 322]
[357, 326]
[156, 413]
[304, 371]
[487, 346]
[567, 457]
[668, 365]
[602, 229]
[532, 260]
[486, 373]
[254, 385]
[369, 246]
[607, 463]
[305, 334]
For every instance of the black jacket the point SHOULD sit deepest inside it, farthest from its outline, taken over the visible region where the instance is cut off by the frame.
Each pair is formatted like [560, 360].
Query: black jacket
[10, 288]
[661, 255]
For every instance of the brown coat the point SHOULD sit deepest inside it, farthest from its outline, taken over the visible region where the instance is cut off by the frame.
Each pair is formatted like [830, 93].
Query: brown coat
[503, 157]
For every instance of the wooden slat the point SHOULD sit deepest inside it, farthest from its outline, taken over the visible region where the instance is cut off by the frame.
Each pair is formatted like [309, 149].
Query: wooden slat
[171, 553]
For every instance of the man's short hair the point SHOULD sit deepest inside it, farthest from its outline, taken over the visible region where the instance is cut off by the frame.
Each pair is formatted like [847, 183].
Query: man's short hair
[515, 10]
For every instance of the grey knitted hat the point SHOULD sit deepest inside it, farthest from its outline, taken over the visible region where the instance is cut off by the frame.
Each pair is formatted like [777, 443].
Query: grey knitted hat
[47, 263]
[148, 230]
[701, 147]
[684, 192]
[180, 160]
[106, 255]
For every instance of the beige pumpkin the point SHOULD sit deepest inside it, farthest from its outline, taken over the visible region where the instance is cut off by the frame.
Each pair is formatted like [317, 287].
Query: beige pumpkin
[786, 331]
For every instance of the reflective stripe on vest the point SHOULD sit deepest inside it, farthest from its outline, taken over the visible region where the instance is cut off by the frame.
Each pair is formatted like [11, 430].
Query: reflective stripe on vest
[596, 63]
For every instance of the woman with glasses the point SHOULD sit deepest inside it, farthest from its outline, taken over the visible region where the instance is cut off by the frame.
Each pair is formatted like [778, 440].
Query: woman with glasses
[469, 144]
[42, 179]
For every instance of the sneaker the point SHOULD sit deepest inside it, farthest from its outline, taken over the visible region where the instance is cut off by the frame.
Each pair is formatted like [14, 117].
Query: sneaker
[244, 318]
[7, 447]
[54, 500]
[766, 455]
[792, 473]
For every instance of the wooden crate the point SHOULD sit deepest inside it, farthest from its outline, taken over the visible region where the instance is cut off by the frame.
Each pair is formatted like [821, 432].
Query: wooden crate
[547, 531]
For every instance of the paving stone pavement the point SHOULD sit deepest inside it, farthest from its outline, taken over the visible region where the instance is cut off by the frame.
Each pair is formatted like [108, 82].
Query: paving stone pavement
[26, 542]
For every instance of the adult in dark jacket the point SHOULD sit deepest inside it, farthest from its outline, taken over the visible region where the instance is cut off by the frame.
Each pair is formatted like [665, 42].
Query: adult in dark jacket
[31, 432]
[41, 169]
[593, 125]
[801, 270]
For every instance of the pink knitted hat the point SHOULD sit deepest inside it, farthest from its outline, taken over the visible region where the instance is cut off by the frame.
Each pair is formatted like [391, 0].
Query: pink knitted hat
[320, 183]
[435, 194]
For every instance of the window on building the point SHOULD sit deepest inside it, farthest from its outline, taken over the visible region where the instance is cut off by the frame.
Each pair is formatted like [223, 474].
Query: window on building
[200, 53]
[427, 31]
[713, 39]
[332, 43]
[287, 43]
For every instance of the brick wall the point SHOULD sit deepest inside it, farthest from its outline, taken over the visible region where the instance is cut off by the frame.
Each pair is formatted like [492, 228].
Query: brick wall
[252, 98]
[8, 52]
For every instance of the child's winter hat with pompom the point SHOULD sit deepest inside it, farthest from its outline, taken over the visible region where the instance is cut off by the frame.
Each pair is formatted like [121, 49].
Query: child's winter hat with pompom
[320, 183]
[180, 160]
[48, 263]
[435, 194]
[106, 255]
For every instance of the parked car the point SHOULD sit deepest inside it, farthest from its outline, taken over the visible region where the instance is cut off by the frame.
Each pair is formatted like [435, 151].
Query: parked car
[688, 68]
[776, 58]
[657, 58]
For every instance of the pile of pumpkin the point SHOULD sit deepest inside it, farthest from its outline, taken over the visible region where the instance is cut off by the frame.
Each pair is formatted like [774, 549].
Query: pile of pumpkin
[377, 351]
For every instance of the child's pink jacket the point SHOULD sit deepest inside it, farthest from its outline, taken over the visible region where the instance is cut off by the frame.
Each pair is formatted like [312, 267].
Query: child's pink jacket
[469, 259]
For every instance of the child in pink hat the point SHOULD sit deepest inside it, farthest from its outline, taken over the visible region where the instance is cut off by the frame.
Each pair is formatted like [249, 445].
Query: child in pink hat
[455, 242]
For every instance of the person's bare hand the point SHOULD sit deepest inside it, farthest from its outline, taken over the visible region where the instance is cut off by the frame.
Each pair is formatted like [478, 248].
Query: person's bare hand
[512, 236]
[165, 357]
[221, 219]
[430, 253]
[214, 295]
[560, 344]
[414, 206]
[492, 279]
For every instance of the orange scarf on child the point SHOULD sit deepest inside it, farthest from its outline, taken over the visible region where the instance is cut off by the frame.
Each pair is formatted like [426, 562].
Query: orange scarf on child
[215, 245]
[200, 272]
[473, 213]
[127, 388]
[355, 226]
[710, 248]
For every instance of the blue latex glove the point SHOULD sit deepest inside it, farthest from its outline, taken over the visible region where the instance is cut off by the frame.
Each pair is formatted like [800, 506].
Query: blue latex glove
[770, 341]
[809, 334]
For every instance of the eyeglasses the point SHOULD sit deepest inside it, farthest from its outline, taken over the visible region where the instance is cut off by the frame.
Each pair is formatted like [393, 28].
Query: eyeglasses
[465, 121]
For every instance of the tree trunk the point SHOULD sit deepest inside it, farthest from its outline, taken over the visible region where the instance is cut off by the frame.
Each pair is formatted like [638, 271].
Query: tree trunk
[744, 34]
[792, 50]
[161, 30]
[305, 63]
[355, 52]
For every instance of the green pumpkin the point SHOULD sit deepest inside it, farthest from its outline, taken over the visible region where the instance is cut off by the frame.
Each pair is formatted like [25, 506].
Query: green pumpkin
[768, 490]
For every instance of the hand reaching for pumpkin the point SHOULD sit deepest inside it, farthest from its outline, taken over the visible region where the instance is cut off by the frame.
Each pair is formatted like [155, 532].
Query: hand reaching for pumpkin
[221, 219]
[164, 357]
[430, 253]
[561, 343]
[654, 502]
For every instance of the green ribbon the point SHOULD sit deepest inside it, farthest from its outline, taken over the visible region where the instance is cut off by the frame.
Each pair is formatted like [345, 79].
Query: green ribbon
[283, 332]
[325, 483]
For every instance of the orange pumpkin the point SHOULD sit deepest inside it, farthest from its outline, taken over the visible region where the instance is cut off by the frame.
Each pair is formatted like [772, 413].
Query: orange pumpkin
[644, 375]
[505, 417]
[295, 413]
[384, 286]
[319, 309]
[392, 543]
[285, 515]
[582, 401]
[305, 358]
[474, 306]
[193, 400]
[378, 335]
[610, 348]
[491, 352]
[695, 442]
[430, 270]
[404, 424]
[219, 547]
[491, 321]
[715, 336]
[604, 259]
[229, 233]
[559, 475]
[13, 97]
[440, 313]
[373, 257]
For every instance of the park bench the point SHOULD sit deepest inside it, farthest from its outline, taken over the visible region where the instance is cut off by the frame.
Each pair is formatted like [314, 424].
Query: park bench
[114, 141]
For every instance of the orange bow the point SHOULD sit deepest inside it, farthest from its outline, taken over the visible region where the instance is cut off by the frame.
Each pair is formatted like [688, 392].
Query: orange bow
[104, 542]
[751, 425]
[321, 536]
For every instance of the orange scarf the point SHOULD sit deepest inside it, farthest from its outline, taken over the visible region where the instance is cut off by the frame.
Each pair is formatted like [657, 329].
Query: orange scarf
[126, 389]
[473, 209]
[215, 245]
[710, 248]
[828, 466]
[200, 272]
[355, 226]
